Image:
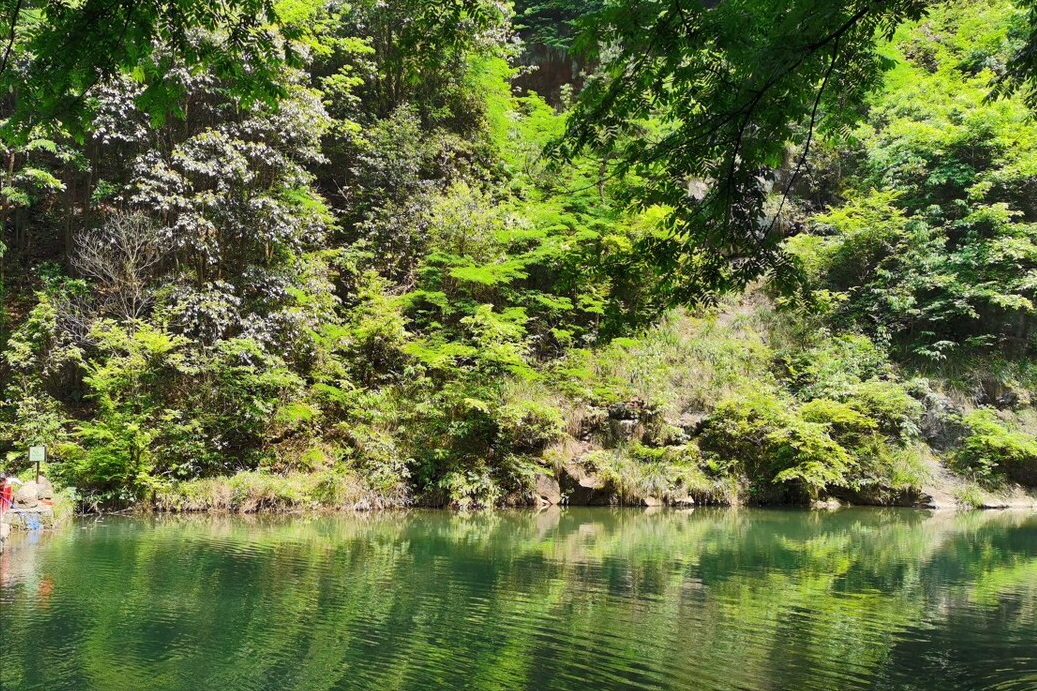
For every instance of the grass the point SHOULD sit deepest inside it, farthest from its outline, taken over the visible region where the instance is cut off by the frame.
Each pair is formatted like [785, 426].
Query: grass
[64, 506]
[252, 491]
[969, 495]
[689, 362]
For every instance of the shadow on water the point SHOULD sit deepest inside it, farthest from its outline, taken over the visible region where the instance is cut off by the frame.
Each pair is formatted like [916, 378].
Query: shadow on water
[575, 599]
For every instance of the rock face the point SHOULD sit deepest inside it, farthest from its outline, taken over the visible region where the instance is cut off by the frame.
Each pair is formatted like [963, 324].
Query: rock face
[583, 488]
[647, 500]
[905, 497]
[548, 490]
[692, 424]
[578, 486]
[628, 421]
[30, 519]
[27, 496]
[941, 422]
[1000, 395]
[45, 489]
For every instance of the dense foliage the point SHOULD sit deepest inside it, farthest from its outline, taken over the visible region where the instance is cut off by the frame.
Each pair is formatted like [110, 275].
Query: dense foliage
[705, 101]
[373, 286]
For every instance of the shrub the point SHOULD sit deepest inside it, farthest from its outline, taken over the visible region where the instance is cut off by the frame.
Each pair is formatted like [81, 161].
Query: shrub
[472, 487]
[990, 450]
[737, 431]
[670, 473]
[34, 419]
[834, 367]
[761, 436]
[530, 426]
[845, 422]
[113, 463]
[375, 455]
[889, 404]
[809, 457]
[879, 461]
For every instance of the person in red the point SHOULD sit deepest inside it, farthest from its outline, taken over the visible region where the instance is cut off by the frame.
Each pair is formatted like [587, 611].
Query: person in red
[7, 492]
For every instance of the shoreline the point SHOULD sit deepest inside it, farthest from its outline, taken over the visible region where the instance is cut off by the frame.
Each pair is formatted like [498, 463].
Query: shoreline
[1030, 504]
[309, 512]
[300, 494]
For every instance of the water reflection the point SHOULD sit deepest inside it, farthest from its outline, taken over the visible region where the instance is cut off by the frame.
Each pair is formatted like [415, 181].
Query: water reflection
[580, 599]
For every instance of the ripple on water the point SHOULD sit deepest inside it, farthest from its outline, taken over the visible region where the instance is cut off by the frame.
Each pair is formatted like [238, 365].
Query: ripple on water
[750, 600]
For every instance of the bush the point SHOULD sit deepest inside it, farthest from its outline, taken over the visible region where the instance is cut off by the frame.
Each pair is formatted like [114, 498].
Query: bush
[761, 436]
[844, 421]
[529, 426]
[809, 457]
[833, 368]
[471, 487]
[114, 462]
[991, 451]
[879, 460]
[669, 473]
[736, 433]
[889, 404]
[374, 454]
[33, 420]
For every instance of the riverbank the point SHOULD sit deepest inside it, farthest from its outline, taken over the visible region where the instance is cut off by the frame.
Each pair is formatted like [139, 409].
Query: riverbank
[725, 407]
[55, 514]
[256, 492]
[38, 506]
[741, 405]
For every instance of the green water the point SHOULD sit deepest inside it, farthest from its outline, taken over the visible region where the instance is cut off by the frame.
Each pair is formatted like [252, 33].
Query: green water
[580, 599]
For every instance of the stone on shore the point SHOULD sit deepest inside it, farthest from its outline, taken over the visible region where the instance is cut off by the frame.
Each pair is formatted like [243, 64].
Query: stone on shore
[547, 490]
[584, 488]
[30, 519]
[27, 496]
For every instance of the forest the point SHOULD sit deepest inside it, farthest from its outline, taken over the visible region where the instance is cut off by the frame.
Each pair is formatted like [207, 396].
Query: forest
[477, 253]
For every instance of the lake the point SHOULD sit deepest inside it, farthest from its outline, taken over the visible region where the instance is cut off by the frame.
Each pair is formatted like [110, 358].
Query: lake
[596, 599]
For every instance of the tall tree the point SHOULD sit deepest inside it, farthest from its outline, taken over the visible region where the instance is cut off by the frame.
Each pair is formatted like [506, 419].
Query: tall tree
[738, 90]
[52, 53]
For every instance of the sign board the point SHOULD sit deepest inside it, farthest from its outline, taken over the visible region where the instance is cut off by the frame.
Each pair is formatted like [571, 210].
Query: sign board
[37, 454]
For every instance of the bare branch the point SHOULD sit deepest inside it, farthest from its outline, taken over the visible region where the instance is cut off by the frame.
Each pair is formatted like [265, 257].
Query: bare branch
[123, 257]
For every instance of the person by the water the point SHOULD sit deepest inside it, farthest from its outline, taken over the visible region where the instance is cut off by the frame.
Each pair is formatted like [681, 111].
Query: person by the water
[7, 492]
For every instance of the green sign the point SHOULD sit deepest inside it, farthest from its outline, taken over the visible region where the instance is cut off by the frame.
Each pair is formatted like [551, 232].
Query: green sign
[37, 454]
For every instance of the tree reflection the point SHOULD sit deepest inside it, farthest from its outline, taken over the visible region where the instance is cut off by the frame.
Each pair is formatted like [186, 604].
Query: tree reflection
[709, 599]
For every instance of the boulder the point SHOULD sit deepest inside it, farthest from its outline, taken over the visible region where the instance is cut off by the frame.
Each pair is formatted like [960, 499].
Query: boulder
[627, 421]
[627, 410]
[693, 424]
[584, 488]
[27, 496]
[629, 429]
[31, 519]
[646, 501]
[548, 490]
[1001, 394]
[45, 489]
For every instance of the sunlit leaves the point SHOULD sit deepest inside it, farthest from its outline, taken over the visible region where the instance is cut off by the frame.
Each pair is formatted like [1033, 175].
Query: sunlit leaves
[734, 85]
